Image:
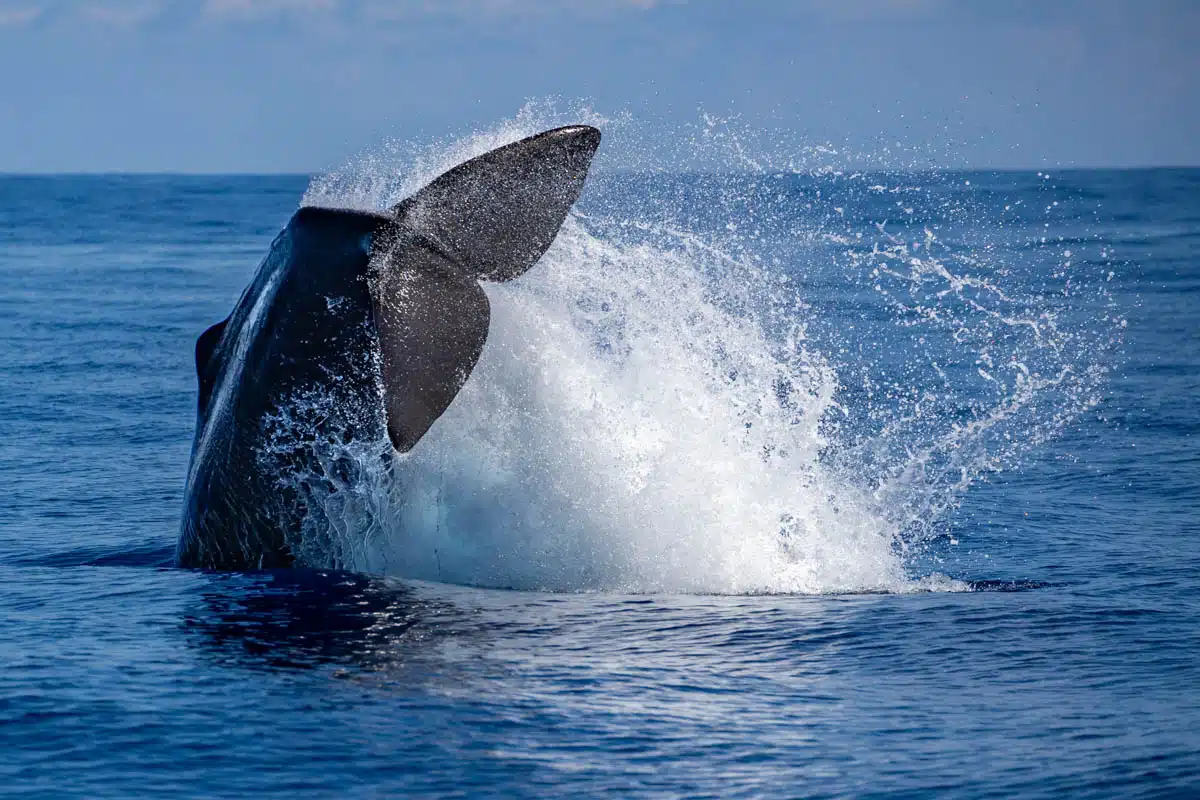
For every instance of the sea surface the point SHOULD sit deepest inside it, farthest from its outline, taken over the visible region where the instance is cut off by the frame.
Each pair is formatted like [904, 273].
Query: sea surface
[772, 483]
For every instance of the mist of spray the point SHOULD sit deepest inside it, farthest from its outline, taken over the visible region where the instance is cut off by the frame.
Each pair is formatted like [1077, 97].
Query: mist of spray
[651, 413]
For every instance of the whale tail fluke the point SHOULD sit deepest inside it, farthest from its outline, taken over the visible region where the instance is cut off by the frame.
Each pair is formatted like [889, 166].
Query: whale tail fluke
[490, 218]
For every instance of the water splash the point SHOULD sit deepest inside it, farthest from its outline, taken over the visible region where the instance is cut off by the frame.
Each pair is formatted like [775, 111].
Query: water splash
[386, 174]
[662, 406]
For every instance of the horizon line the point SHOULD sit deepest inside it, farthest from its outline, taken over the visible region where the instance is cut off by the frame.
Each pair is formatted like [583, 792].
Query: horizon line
[116, 173]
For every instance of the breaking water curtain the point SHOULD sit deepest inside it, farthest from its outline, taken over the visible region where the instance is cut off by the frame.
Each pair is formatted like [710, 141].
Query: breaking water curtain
[660, 407]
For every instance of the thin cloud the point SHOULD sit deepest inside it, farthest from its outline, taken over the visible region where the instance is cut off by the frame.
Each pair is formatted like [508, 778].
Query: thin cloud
[382, 10]
[244, 10]
[122, 15]
[18, 16]
[863, 10]
[134, 13]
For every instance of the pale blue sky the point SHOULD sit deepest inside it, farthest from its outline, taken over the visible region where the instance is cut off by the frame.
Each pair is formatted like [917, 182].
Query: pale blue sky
[300, 85]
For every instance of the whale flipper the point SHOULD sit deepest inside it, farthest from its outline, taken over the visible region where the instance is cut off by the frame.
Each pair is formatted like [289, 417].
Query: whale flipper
[206, 346]
[490, 218]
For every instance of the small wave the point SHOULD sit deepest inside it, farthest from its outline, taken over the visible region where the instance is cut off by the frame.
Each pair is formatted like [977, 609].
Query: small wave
[151, 554]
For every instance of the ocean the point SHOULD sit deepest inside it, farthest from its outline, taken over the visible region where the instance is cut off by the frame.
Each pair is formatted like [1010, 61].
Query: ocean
[780, 481]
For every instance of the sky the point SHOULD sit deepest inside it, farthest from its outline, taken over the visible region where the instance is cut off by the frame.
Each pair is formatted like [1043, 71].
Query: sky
[302, 85]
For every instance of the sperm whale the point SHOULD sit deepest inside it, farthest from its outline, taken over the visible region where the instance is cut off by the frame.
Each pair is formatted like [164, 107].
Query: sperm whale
[379, 315]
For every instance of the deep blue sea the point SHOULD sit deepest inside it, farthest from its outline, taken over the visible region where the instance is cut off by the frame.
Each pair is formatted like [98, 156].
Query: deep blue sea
[792, 484]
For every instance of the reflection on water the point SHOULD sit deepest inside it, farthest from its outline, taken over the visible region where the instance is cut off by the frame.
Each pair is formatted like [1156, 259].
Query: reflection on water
[301, 619]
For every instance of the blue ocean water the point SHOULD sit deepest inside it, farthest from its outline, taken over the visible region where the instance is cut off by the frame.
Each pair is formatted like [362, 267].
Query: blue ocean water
[993, 381]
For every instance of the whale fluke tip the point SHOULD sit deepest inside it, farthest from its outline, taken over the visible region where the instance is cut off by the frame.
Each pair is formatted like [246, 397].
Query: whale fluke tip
[496, 214]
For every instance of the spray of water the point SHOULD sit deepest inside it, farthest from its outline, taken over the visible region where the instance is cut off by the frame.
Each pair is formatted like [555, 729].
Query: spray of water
[652, 411]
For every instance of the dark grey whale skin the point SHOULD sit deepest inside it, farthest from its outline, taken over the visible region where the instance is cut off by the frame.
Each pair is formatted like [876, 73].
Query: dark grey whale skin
[356, 312]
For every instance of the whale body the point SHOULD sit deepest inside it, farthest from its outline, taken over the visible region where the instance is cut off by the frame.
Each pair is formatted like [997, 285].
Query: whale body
[366, 323]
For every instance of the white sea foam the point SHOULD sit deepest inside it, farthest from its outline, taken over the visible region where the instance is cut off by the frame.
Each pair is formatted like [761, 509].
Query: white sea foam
[648, 415]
